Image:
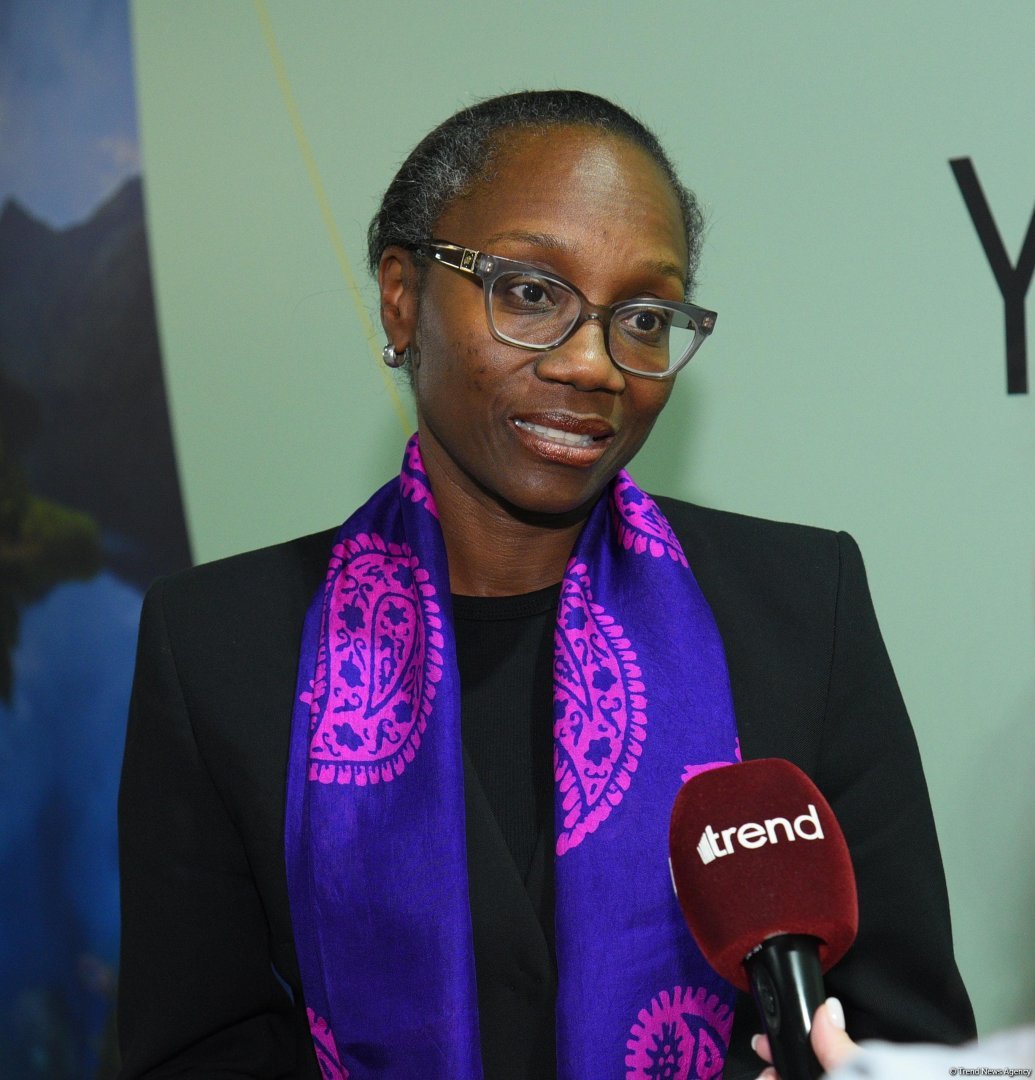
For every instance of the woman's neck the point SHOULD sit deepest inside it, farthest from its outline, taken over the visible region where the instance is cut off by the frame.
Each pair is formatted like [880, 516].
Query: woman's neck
[507, 556]
[495, 550]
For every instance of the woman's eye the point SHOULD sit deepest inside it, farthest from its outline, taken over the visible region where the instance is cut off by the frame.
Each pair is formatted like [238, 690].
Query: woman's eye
[647, 323]
[532, 292]
[529, 292]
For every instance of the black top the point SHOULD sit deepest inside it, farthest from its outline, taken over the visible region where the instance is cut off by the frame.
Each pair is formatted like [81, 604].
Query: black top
[504, 650]
[207, 945]
[504, 647]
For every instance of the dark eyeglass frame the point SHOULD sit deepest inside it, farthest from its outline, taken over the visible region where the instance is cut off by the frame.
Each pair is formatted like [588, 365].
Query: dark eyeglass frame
[487, 268]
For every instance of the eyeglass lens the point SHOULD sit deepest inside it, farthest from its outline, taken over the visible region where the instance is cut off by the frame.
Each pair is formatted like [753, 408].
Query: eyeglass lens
[530, 310]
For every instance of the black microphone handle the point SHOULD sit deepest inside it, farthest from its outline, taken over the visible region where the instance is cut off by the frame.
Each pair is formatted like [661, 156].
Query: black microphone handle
[787, 985]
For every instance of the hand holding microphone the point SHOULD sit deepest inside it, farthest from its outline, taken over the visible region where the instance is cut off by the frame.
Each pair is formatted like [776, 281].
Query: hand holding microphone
[830, 1043]
[765, 882]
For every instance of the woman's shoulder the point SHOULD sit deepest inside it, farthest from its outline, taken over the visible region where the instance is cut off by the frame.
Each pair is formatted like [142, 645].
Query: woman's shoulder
[742, 544]
[268, 583]
[305, 555]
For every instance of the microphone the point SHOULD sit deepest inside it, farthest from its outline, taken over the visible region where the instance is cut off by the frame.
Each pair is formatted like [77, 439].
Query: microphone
[762, 872]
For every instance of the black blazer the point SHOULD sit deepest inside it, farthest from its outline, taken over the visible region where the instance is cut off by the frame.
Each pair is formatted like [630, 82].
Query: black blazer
[209, 983]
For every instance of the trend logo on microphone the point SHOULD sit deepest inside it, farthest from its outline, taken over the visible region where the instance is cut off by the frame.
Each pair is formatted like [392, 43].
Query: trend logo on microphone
[715, 843]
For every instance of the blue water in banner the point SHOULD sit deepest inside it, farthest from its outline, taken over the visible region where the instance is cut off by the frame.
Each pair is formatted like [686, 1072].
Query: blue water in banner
[60, 751]
[90, 513]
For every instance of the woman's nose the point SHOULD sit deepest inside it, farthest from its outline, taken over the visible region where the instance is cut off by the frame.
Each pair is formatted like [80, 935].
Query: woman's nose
[583, 361]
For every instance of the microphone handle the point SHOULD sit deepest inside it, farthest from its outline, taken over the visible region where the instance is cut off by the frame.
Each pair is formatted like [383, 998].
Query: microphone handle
[787, 985]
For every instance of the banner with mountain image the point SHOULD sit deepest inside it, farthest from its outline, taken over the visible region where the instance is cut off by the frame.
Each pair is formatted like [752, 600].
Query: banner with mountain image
[90, 513]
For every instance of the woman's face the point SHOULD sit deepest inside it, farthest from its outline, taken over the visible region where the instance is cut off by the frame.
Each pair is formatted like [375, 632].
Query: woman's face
[496, 421]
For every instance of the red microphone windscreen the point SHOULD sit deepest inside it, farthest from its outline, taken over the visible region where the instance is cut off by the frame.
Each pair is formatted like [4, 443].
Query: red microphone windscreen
[756, 851]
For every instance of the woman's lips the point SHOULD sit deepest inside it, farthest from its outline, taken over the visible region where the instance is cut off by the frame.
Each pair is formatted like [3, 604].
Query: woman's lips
[570, 440]
[567, 438]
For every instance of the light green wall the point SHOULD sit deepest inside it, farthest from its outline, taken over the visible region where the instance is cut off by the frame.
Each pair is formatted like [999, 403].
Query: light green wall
[856, 378]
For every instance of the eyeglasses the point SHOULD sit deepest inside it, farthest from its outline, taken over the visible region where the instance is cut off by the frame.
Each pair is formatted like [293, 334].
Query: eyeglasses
[527, 307]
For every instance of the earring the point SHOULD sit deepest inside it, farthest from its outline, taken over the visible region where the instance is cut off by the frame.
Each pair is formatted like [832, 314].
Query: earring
[392, 358]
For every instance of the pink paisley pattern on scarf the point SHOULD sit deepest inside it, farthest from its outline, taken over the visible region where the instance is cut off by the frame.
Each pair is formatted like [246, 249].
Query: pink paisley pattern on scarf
[640, 524]
[599, 711]
[327, 1058]
[682, 1035]
[413, 480]
[379, 660]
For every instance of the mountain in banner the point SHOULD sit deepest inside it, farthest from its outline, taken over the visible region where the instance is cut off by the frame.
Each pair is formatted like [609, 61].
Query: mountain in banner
[82, 398]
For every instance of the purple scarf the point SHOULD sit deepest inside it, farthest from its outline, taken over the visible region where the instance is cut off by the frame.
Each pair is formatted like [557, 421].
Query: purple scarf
[375, 832]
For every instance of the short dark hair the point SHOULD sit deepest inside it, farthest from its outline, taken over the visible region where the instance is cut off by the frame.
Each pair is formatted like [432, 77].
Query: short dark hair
[458, 153]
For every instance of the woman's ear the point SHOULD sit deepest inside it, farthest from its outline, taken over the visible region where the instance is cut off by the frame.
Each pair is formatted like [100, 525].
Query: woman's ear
[397, 282]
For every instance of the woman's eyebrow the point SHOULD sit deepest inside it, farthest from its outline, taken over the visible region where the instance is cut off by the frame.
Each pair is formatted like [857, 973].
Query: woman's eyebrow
[657, 267]
[662, 269]
[543, 240]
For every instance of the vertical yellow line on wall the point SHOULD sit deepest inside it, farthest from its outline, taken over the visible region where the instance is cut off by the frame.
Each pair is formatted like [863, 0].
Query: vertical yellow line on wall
[328, 215]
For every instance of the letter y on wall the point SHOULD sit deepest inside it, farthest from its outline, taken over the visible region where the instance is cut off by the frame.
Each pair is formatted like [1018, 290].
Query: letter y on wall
[1013, 281]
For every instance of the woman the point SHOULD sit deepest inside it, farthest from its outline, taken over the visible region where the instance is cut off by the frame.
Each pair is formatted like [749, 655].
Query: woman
[353, 852]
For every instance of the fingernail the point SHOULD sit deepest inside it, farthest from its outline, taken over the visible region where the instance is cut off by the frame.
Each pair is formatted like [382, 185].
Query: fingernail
[754, 1042]
[836, 1013]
